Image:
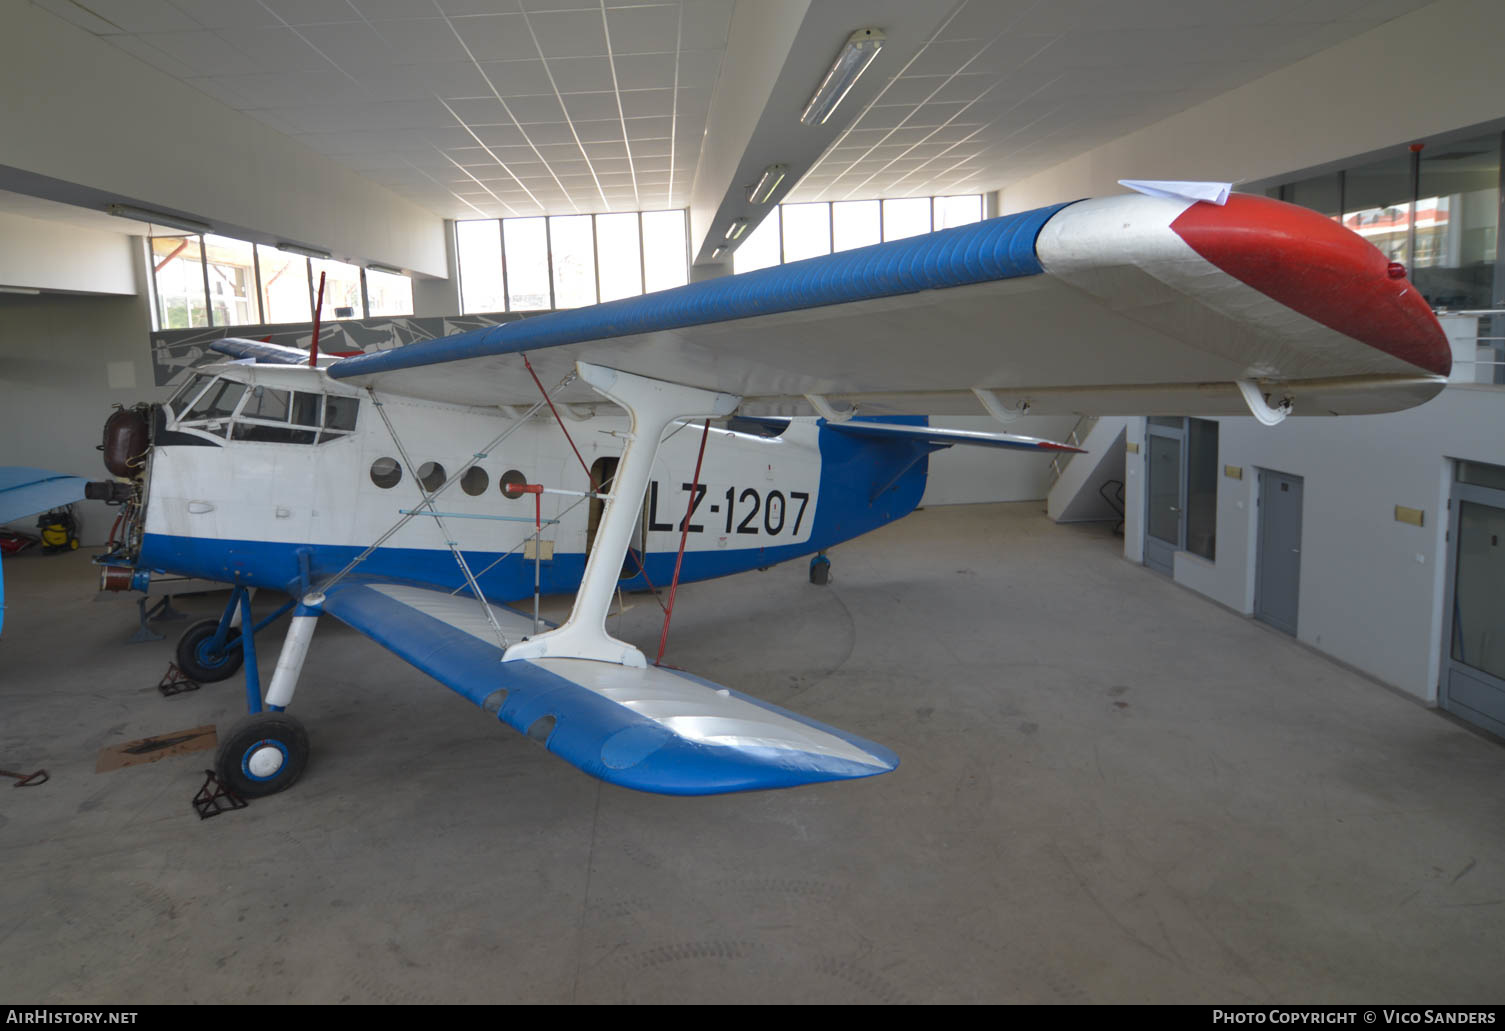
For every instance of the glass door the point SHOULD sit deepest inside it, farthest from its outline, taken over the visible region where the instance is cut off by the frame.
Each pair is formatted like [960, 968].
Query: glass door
[1165, 502]
[1473, 677]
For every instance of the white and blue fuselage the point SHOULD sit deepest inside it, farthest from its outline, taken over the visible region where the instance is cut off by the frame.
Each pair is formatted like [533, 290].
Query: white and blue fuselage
[276, 476]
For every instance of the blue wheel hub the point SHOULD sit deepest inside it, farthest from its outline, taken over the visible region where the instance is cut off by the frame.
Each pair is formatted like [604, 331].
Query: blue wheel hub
[264, 760]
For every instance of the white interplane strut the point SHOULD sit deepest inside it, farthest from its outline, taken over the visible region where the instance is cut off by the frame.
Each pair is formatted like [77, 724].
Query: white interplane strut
[652, 405]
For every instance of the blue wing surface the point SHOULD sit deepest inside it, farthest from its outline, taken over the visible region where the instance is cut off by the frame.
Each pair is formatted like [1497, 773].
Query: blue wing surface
[25, 492]
[656, 729]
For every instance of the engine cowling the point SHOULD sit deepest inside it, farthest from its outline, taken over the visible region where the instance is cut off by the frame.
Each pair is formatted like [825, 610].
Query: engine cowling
[127, 437]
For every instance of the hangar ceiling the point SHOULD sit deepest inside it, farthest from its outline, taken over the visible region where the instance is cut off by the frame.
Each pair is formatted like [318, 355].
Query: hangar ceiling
[493, 108]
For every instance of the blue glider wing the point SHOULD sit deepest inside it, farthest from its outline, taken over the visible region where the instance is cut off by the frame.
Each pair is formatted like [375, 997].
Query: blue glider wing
[25, 492]
[654, 729]
[260, 351]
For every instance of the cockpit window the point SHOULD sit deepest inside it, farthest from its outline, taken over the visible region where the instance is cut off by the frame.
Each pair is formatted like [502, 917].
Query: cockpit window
[339, 414]
[214, 406]
[266, 415]
[187, 392]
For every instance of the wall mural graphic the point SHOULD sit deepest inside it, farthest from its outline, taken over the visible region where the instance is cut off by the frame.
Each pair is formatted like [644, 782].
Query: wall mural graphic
[175, 351]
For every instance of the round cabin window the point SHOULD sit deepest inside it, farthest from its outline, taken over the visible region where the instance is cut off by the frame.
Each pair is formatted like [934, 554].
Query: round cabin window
[386, 473]
[431, 475]
[511, 479]
[475, 481]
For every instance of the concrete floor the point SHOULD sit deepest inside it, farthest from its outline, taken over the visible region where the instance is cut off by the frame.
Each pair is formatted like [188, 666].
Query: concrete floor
[1111, 791]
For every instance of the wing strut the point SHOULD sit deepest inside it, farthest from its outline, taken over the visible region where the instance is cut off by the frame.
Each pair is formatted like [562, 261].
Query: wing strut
[652, 405]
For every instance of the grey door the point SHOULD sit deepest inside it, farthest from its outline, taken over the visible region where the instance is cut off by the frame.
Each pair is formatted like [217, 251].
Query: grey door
[1277, 580]
[1165, 501]
[1473, 678]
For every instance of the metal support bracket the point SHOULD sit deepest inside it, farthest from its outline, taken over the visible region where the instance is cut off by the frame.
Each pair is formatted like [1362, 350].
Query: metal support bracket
[828, 411]
[997, 409]
[1259, 407]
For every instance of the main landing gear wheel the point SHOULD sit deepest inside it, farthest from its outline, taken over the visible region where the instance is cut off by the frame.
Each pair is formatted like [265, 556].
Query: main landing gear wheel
[198, 659]
[262, 755]
[820, 570]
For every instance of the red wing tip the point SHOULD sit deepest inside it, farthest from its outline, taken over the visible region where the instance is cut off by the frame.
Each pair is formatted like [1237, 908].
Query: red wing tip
[1321, 269]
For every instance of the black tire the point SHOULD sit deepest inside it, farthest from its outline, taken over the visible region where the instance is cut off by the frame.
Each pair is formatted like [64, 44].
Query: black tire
[196, 660]
[820, 573]
[248, 762]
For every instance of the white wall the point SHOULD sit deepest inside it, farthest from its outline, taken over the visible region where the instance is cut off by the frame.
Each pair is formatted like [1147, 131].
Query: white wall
[57, 256]
[1371, 587]
[81, 111]
[1427, 73]
[59, 356]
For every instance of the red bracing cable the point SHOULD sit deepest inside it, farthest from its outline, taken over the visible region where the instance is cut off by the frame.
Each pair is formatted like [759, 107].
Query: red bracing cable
[684, 535]
[557, 419]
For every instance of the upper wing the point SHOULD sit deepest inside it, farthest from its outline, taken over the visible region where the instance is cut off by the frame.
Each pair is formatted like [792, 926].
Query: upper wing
[653, 729]
[1122, 305]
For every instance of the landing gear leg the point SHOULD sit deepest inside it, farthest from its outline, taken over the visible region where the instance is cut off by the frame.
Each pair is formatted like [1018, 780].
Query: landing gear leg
[267, 751]
[820, 570]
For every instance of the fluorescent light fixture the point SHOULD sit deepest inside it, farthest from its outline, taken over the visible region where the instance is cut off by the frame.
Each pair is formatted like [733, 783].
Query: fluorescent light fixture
[29, 291]
[307, 252]
[767, 183]
[388, 269]
[736, 229]
[158, 218]
[860, 49]
[718, 252]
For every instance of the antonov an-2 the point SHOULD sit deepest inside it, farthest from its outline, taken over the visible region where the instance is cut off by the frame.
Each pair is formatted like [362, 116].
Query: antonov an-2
[413, 493]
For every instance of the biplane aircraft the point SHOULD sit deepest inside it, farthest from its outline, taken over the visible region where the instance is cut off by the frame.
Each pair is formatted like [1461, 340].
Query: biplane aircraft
[414, 493]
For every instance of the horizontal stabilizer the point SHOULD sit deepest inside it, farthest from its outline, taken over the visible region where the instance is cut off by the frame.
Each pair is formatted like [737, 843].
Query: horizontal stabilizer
[945, 438]
[654, 729]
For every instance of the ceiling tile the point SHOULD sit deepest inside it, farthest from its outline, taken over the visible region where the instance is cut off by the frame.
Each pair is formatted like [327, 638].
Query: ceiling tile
[647, 103]
[141, 15]
[481, 111]
[353, 46]
[540, 108]
[517, 78]
[643, 30]
[601, 131]
[496, 37]
[500, 135]
[582, 74]
[649, 128]
[200, 53]
[311, 12]
[569, 33]
[644, 71]
[549, 132]
[450, 79]
[588, 106]
[420, 41]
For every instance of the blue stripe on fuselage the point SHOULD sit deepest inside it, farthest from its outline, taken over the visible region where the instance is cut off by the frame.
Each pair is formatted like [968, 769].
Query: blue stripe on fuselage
[852, 468]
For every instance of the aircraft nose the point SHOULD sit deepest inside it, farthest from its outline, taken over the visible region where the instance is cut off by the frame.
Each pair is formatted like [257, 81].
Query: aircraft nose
[1315, 266]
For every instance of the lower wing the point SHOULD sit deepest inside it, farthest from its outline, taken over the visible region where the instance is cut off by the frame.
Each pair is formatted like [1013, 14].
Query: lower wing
[653, 729]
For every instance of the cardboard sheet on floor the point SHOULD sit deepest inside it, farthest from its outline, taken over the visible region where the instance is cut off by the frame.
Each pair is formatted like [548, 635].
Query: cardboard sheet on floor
[161, 746]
